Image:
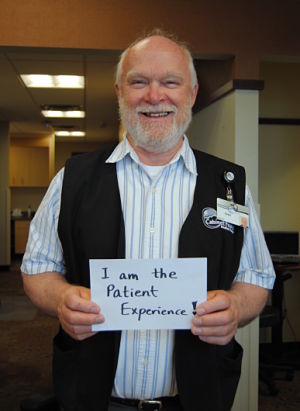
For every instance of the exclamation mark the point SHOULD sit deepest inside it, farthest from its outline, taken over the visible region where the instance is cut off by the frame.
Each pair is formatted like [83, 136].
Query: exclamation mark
[194, 303]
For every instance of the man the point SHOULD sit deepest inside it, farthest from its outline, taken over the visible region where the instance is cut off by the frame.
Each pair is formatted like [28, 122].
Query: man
[147, 199]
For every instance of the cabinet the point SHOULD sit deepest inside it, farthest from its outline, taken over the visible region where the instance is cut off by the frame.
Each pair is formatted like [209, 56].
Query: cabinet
[29, 166]
[21, 235]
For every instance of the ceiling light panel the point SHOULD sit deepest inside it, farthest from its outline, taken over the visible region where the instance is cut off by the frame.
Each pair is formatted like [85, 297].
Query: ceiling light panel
[64, 133]
[49, 81]
[63, 114]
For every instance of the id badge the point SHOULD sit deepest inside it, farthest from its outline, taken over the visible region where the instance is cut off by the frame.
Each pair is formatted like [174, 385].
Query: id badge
[232, 213]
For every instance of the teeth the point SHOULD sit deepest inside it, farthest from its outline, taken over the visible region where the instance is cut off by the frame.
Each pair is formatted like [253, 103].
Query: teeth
[163, 114]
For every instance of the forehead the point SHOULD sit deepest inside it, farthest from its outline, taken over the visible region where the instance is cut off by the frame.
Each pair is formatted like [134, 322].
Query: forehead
[156, 56]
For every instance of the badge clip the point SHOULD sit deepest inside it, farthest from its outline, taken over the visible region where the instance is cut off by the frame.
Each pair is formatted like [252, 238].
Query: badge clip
[229, 178]
[228, 210]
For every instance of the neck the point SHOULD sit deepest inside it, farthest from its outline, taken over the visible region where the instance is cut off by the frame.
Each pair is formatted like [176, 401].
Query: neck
[152, 158]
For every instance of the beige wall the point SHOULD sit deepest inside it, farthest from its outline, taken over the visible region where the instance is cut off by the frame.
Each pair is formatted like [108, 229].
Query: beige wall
[279, 168]
[63, 151]
[22, 197]
[213, 129]
[228, 128]
[246, 29]
[281, 95]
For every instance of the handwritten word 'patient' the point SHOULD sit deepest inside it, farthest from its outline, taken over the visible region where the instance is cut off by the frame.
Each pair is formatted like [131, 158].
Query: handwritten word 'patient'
[126, 292]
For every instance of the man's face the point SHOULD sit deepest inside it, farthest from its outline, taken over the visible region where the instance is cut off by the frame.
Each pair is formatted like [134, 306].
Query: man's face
[156, 96]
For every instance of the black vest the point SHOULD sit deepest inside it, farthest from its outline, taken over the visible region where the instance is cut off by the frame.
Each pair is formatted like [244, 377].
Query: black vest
[91, 226]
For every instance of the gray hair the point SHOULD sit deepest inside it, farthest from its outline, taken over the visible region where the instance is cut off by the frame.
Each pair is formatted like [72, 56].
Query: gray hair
[161, 33]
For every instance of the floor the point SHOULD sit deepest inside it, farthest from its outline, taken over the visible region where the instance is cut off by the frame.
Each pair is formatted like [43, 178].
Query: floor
[26, 345]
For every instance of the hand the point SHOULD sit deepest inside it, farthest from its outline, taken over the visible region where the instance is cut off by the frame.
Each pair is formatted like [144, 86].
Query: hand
[217, 319]
[76, 312]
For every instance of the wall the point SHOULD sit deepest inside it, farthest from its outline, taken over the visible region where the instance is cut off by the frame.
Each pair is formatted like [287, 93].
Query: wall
[63, 151]
[279, 168]
[228, 128]
[246, 29]
[4, 195]
[213, 129]
[23, 197]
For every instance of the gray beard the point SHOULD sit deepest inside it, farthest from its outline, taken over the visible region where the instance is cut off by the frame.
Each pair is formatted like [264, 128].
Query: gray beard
[144, 138]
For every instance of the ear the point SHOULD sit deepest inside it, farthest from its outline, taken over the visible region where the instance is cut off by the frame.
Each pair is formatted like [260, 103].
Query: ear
[194, 94]
[117, 90]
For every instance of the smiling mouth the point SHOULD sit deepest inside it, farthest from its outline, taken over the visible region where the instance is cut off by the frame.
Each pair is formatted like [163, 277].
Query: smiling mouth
[156, 114]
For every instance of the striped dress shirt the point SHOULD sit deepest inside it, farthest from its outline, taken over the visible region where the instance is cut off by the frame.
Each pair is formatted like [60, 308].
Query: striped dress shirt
[155, 203]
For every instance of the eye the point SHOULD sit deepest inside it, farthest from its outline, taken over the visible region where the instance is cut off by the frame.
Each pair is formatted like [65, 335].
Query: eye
[171, 83]
[138, 82]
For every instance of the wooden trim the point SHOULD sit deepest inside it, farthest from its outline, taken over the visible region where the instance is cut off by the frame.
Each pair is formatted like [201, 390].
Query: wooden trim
[279, 121]
[232, 85]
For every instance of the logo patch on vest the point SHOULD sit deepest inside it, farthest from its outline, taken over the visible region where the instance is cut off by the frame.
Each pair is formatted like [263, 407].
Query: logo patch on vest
[209, 218]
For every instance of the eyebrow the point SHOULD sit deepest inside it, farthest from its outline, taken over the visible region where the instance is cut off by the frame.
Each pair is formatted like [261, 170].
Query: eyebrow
[135, 74]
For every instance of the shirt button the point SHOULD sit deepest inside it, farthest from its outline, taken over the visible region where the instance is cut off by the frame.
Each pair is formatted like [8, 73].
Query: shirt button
[145, 362]
[152, 230]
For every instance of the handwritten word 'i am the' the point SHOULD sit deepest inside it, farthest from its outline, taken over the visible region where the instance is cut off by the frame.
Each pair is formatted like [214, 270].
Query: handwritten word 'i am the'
[157, 273]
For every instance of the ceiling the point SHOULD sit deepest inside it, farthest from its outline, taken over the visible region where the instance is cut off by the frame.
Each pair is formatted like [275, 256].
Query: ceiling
[21, 106]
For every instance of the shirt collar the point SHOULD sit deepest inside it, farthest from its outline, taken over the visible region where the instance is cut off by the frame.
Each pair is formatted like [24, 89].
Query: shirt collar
[185, 152]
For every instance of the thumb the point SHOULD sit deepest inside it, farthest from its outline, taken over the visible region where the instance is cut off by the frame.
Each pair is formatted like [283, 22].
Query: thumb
[87, 305]
[84, 293]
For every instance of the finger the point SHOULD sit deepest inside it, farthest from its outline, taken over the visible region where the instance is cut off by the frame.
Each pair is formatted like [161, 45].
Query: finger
[219, 318]
[78, 332]
[78, 301]
[79, 336]
[81, 318]
[213, 331]
[219, 336]
[79, 329]
[217, 302]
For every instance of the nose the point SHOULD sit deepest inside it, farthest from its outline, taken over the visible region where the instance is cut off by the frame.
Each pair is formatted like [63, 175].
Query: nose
[155, 93]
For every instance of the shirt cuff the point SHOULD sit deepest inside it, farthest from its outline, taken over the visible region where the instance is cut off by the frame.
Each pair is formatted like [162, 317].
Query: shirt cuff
[259, 278]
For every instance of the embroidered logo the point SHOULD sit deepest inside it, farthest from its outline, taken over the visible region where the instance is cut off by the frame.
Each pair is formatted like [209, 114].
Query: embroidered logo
[209, 218]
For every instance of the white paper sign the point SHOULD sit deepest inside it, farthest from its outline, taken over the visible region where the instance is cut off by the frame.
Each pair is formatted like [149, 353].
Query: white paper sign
[148, 294]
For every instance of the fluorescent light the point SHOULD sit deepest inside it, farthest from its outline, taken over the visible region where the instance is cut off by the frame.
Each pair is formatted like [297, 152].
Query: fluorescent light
[63, 81]
[49, 81]
[53, 113]
[63, 133]
[37, 80]
[63, 114]
[74, 114]
[77, 133]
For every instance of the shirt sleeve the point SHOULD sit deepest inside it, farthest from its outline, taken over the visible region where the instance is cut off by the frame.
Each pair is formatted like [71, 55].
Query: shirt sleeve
[44, 251]
[256, 265]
